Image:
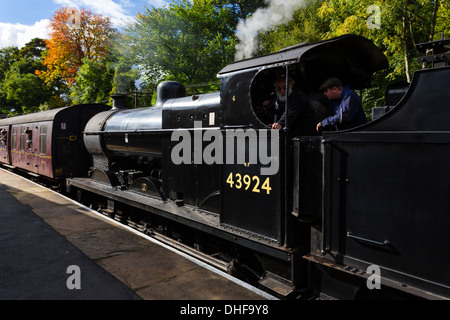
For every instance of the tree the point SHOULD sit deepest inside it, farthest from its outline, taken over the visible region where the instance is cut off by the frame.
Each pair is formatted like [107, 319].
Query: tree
[8, 56]
[34, 49]
[25, 88]
[75, 35]
[187, 41]
[402, 24]
[305, 26]
[22, 90]
[93, 82]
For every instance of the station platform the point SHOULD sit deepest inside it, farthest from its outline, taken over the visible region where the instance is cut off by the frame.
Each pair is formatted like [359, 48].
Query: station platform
[51, 248]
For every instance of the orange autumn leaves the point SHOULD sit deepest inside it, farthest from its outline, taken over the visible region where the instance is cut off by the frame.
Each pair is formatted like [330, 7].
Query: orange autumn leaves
[75, 35]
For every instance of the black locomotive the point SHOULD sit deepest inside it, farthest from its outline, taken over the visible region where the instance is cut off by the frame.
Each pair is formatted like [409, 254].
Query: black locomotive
[359, 213]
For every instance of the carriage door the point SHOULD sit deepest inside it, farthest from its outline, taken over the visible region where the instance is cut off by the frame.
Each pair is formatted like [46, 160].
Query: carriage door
[4, 150]
[26, 158]
[42, 151]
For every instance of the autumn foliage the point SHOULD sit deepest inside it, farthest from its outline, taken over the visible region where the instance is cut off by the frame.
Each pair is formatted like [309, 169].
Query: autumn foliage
[75, 35]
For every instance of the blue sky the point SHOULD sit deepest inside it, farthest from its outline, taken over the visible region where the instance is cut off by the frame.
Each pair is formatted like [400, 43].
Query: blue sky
[23, 20]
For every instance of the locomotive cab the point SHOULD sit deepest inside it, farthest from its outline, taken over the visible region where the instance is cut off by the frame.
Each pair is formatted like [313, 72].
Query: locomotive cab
[296, 188]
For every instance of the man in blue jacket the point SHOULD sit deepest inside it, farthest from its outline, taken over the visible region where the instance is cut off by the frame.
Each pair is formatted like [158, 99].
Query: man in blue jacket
[346, 108]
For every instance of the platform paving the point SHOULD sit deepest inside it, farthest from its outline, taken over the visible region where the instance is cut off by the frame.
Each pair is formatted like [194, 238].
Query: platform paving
[44, 234]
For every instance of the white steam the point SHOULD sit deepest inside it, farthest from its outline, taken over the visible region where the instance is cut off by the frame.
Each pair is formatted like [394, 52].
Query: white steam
[278, 12]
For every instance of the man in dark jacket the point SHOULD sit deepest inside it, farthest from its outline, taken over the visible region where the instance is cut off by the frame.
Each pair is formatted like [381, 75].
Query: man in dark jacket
[300, 117]
[346, 108]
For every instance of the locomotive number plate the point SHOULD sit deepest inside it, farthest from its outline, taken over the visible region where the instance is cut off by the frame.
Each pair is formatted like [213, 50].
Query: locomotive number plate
[247, 182]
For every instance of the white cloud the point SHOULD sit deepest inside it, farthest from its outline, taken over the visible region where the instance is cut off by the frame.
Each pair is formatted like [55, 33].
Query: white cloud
[121, 12]
[156, 3]
[107, 8]
[19, 34]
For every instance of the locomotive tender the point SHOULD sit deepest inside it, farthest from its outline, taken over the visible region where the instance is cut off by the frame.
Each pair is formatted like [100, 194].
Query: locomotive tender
[198, 173]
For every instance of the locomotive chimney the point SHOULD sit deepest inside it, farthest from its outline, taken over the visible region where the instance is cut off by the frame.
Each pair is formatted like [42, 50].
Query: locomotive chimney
[119, 101]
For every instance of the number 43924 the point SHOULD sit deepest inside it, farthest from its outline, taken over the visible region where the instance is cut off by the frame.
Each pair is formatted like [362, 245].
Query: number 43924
[236, 180]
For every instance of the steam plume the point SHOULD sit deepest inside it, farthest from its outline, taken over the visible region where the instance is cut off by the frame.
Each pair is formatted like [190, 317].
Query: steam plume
[278, 12]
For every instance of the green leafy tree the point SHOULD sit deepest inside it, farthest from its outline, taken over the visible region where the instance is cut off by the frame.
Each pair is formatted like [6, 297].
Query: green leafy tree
[401, 25]
[125, 78]
[93, 82]
[24, 87]
[33, 49]
[23, 91]
[306, 26]
[187, 41]
[8, 56]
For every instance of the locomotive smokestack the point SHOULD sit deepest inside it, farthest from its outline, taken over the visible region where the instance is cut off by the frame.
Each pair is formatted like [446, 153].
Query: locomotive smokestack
[119, 101]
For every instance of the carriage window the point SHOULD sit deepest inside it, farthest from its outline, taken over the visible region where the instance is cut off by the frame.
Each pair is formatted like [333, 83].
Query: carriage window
[22, 138]
[43, 139]
[3, 139]
[14, 139]
[29, 134]
[25, 138]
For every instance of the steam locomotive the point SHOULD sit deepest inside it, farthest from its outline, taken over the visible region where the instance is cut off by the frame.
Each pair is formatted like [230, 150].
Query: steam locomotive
[353, 214]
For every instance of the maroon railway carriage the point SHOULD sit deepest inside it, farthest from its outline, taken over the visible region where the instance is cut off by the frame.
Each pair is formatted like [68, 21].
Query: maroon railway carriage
[48, 144]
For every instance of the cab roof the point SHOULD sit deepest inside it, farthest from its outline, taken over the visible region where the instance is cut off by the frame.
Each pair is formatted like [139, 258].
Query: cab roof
[350, 57]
